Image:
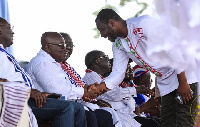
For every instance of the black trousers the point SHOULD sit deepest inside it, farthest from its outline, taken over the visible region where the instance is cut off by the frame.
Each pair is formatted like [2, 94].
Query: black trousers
[91, 119]
[104, 118]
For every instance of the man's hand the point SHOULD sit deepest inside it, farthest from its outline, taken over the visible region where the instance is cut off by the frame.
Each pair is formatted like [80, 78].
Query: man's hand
[137, 111]
[89, 92]
[185, 93]
[39, 97]
[144, 90]
[3, 80]
[100, 88]
[153, 104]
[184, 88]
[92, 91]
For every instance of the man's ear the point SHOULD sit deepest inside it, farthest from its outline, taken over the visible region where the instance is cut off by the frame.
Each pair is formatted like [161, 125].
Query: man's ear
[97, 62]
[0, 30]
[111, 22]
[47, 48]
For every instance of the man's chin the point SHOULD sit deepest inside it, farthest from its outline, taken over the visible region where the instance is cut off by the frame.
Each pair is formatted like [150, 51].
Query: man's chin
[11, 43]
[112, 40]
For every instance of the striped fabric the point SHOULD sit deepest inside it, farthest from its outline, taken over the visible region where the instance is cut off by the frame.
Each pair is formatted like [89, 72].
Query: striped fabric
[14, 97]
[18, 68]
[74, 77]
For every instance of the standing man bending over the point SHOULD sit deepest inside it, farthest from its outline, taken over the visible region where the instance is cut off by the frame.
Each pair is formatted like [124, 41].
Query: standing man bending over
[130, 40]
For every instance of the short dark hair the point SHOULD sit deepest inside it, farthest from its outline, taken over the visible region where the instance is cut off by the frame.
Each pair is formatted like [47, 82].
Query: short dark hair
[105, 14]
[3, 21]
[91, 57]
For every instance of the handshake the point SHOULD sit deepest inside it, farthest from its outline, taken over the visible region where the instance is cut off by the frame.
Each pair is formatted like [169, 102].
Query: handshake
[93, 91]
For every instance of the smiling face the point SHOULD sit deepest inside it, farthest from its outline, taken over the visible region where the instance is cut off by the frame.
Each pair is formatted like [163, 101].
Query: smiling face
[104, 63]
[107, 31]
[56, 47]
[69, 44]
[6, 34]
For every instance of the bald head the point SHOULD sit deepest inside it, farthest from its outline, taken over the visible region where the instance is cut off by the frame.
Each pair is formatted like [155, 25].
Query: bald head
[54, 44]
[49, 37]
[3, 21]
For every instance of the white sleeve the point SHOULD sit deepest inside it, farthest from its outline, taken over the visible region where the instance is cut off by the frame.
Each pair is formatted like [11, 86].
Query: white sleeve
[176, 57]
[159, 36]
[90, 78]
[119, 93]
[163, 42]
[56, 82]
[4, 65]
[120, 63]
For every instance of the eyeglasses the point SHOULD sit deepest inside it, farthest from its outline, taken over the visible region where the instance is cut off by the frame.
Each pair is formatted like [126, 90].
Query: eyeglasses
[10, 27]
[63, 45]
[105, 56]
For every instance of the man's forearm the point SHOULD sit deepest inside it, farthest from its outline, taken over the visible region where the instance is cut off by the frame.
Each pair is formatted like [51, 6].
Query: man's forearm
[182, 78]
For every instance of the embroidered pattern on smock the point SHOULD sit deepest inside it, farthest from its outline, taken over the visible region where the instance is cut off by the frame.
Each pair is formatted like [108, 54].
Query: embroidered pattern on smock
[74, 77]
[133, 51]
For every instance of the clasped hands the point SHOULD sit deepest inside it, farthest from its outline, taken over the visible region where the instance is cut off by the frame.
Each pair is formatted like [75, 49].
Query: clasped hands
[93, 91]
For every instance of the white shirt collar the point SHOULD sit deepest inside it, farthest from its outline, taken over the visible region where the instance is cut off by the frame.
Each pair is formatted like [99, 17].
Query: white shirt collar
[45, 54]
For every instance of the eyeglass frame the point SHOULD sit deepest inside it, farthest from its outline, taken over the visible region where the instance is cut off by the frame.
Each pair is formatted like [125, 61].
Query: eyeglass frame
[63, 45]
[11, 27]
[105, 56]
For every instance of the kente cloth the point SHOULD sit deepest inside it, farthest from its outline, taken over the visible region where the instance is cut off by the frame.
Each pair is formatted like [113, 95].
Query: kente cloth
[14, 73]
[74, 77]
[18, 67]
[15, 96]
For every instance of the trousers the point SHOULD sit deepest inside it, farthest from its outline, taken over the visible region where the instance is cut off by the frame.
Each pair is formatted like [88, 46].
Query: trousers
[62, 113]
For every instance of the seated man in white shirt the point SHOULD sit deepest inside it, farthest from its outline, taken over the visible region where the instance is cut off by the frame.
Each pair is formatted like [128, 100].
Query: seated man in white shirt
[121, 99]
[62, 113]
[139, 77]
[49, 76]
